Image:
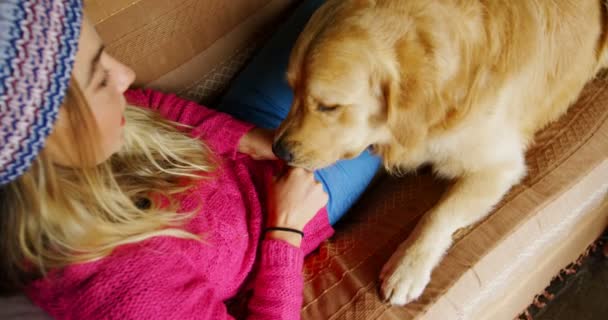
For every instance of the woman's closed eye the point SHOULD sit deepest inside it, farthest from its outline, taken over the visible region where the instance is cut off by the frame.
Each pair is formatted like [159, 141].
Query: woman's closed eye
[103, 82]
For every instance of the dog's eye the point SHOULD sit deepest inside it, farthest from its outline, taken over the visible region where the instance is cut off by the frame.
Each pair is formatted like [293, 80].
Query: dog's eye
[323, 108]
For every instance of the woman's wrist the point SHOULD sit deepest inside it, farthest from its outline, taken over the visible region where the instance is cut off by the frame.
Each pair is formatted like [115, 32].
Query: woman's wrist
[289, 235]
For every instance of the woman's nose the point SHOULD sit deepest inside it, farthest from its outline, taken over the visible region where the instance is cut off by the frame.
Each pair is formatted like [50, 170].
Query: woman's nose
[124, 76]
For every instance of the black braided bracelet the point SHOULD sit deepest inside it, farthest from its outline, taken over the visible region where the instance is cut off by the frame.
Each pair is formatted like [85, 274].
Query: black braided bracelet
[284, 229]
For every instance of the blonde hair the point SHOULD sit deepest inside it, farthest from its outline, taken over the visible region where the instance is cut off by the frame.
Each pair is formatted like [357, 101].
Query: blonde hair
[54, 216]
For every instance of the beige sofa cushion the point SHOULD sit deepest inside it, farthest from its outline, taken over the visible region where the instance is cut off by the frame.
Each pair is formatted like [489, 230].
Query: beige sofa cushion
[189, 47]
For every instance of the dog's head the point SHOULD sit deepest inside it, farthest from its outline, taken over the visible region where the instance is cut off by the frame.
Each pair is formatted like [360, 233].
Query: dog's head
[346, 84]
[337, 112]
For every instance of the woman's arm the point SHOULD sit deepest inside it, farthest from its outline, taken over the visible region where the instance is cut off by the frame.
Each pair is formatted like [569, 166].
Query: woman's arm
[221, 132]
[294, 201]
[278, 285]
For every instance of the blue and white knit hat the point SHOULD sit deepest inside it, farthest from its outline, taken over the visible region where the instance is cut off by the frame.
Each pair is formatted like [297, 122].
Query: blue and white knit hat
[38, 44]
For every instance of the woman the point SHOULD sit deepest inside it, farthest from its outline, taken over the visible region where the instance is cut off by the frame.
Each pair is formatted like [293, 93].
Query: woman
[158, 211]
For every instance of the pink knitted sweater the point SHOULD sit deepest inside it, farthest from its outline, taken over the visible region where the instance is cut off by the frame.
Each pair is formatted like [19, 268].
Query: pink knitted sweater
[170, 278]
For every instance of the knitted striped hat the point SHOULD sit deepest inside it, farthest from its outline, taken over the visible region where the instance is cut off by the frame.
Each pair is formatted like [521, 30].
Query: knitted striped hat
[38, 43]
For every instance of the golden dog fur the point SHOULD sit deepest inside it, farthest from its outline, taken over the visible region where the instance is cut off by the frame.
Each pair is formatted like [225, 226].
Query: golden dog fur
[460, 84]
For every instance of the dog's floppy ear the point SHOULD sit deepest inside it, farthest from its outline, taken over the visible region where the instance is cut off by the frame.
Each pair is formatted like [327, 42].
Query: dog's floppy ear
[318, 22]
[405, 118]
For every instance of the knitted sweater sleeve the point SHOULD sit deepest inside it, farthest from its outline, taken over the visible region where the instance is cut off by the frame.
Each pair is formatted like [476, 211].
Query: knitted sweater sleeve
[278, 285]
[218, 130]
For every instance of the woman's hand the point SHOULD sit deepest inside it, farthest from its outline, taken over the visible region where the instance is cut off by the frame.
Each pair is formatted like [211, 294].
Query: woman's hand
[257, 143]
[294, 199]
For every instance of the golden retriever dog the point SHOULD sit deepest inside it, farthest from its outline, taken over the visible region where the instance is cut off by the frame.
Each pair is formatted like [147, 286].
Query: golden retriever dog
[459, 84]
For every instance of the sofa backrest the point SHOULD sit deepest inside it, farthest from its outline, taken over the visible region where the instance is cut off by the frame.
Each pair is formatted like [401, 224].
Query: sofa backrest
[190, 47]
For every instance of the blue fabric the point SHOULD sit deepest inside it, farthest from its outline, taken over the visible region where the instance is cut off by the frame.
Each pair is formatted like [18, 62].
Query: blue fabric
[260, 95]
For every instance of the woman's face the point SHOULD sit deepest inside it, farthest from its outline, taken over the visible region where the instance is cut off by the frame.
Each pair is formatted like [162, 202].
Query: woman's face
[102, 80]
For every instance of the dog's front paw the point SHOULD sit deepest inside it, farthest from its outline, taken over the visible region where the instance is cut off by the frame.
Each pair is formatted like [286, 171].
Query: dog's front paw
[405, 276]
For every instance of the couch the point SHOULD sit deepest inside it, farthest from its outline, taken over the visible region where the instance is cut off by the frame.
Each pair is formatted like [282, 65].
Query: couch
[493, 270]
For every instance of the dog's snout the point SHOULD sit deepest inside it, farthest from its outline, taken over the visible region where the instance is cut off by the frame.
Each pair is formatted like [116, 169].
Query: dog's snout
[281, 150]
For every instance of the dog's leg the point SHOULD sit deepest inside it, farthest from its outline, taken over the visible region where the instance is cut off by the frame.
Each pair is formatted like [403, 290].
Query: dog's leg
[408, 271]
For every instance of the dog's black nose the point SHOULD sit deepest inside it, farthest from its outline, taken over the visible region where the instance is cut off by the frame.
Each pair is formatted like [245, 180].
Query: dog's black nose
[281, 151]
